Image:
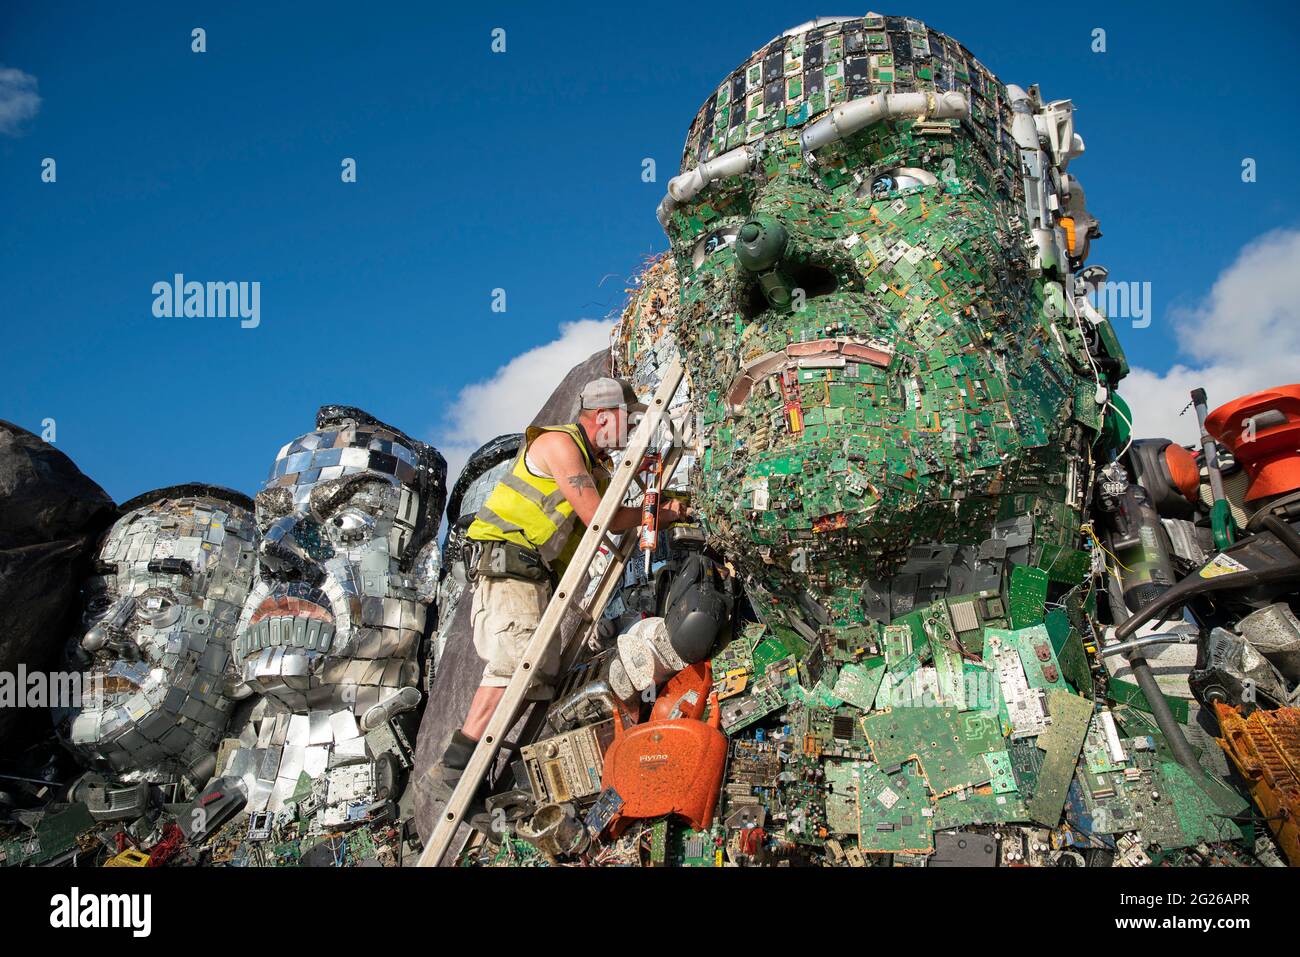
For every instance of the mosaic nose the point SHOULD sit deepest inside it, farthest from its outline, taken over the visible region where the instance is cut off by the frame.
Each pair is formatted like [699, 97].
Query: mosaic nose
[760, 249]
[290, 549]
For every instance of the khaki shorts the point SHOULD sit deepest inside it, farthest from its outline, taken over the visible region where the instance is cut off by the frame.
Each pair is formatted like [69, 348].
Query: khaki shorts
[505, 613]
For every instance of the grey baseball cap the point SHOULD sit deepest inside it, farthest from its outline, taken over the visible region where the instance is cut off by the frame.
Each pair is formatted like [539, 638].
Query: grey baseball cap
[609, 393]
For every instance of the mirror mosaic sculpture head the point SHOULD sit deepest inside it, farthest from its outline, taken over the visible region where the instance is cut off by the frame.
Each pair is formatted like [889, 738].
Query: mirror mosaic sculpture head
[172, 576]
[348, 565]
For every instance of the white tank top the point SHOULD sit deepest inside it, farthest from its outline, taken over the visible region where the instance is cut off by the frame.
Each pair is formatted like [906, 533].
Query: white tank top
[533, 466]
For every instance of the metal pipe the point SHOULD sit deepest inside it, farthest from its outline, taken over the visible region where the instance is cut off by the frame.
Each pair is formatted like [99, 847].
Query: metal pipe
[686, 186]
[1169, 727]
[1165, 637]
[19, 777]
[1208, 445]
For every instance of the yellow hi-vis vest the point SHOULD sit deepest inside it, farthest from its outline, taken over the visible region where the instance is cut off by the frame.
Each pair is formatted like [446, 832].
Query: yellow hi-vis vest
[531, 511]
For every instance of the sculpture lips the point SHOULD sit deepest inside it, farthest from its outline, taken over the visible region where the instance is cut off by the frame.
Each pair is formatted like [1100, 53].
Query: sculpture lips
[818, 353]
[289, 606]
[288, 623]
[108, 681]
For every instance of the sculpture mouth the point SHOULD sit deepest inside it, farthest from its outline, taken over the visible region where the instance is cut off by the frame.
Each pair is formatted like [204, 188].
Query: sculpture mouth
[291, 606]
[289, 622]
[830, 353]
[108, 683]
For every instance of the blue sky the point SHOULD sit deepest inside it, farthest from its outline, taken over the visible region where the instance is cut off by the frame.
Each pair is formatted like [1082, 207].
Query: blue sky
[478, 171]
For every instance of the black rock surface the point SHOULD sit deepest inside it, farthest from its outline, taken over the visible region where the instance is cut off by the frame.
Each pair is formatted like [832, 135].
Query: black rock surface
[50, 516]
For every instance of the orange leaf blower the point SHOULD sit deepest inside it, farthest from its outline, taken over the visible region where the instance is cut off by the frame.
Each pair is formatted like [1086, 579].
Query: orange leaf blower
[673, 763]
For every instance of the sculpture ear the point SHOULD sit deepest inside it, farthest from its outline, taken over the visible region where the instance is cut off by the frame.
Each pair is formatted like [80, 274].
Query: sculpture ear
[432, 484]
[426, 572]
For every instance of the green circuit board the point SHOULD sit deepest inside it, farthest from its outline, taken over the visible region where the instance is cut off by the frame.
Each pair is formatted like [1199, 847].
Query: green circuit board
[894, 813]
[842, 779]
[947, 744]
[1061, 744]
[858, 683]
[978, 806]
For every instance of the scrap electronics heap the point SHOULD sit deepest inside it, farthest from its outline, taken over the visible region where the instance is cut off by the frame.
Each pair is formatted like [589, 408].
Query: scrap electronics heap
[934, 576]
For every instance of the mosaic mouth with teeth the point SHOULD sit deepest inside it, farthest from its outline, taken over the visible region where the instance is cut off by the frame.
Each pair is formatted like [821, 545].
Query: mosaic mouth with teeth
[284, 631]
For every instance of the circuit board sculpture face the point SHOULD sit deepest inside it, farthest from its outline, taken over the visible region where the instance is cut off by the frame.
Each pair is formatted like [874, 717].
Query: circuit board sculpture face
[873, 320]
[902, 396]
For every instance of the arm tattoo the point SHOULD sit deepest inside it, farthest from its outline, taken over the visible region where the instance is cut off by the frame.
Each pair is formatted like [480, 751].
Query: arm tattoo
[582, 480]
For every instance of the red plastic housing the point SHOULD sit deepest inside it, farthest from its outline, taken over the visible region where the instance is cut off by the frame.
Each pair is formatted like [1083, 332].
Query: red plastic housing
[1267, 446]
[669, 765]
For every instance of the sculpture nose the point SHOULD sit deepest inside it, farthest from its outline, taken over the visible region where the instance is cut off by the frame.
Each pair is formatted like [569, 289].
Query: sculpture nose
[761, 244]
[109, 633]
[788, 270]
[284, 557]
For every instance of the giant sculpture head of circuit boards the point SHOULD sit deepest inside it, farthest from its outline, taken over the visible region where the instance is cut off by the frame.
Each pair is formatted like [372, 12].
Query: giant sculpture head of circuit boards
[876, 242]
[348, 565]
[171, 577]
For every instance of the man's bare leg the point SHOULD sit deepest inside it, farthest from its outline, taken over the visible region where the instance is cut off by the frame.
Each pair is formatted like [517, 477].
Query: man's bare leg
[481, 710]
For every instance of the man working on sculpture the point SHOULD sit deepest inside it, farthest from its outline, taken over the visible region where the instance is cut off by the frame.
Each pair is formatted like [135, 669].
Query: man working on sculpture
[521, 540]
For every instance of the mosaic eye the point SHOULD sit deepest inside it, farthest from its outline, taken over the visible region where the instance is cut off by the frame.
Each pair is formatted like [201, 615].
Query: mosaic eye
[708, 245]
[157, 607]
[352, 520]
[99, 600]
[898, 180]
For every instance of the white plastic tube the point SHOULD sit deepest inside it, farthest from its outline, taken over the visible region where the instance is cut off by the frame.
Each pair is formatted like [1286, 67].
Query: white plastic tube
[843, 120]
[684, 188]
[848, 118]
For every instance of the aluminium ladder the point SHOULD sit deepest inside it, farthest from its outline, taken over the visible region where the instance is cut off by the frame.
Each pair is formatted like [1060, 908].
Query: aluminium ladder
[566, 596]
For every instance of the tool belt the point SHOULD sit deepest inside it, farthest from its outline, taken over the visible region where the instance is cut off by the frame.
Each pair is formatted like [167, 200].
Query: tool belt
[506, 560]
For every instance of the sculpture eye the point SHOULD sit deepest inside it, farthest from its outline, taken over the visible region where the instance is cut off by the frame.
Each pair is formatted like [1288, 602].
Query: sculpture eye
[99, 599]
[352, 520]
[708, 245]
[900, 179]
[158, 607]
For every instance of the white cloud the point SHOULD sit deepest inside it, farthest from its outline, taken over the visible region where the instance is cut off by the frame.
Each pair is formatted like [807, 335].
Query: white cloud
[1245, 336]
[513, 395]
[19, 101]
